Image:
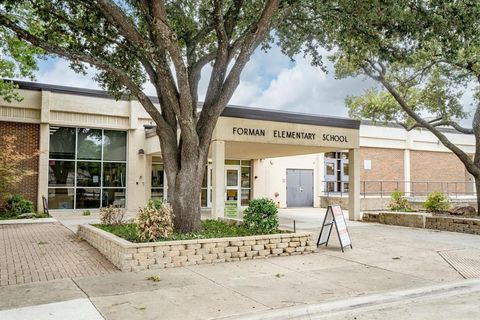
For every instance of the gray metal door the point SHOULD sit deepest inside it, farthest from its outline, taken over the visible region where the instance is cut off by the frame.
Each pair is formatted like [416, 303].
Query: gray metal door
[299, 188]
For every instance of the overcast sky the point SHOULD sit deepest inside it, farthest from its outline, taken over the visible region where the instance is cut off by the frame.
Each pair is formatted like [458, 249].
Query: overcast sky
[270, 80]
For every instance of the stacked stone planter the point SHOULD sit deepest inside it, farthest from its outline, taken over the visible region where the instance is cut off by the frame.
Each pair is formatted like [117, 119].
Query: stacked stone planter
[128, 256]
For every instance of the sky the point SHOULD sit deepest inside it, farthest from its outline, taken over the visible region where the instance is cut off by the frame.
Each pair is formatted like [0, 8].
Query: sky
[270, 80]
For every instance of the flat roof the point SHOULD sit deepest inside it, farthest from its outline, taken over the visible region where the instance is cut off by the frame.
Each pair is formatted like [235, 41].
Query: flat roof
[230, 111]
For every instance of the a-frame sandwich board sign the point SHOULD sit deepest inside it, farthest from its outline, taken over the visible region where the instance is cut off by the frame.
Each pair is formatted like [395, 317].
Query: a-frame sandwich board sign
[335, 216]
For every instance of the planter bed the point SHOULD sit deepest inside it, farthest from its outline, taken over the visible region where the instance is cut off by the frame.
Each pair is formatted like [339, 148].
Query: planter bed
[425, 220]
[454, 224]
[131, 256]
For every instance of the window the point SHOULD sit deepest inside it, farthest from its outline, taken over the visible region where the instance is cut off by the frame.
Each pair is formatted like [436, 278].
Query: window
[246, 182]
[158, 185]
[87, 168]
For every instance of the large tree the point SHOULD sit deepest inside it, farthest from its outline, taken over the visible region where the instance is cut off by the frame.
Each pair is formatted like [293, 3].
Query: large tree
[166, 43]
[422, 54]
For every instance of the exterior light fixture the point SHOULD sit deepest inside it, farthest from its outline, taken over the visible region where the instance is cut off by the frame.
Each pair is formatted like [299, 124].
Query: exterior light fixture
[141, 151]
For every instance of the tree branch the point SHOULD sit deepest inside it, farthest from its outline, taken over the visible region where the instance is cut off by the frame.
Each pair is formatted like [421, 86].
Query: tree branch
[92, 60]
[467, 161]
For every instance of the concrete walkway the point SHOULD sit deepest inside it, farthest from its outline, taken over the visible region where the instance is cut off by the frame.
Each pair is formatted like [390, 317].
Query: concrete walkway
[385, 260]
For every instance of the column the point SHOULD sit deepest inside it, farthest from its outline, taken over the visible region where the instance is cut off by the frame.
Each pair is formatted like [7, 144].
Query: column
[43, 149]
[354, 184]
[406, 172]
[218, 179]
[406, 163]
[43, 165]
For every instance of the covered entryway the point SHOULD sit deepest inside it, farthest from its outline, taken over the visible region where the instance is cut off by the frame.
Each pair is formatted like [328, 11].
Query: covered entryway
[299, 188]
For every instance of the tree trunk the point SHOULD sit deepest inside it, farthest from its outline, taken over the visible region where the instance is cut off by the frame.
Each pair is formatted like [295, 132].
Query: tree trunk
[184, 188]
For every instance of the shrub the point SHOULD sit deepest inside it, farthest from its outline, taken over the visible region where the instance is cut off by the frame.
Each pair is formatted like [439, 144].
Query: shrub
[112, 215]
[398, 202]
[86, 213]
[155, 221]
[261, 216]
[17, 204]
[436, 202]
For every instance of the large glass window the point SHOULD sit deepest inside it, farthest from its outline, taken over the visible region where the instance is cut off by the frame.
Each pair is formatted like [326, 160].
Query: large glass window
[114, 146]
[62, 143]
[87, 168]
[89, 144]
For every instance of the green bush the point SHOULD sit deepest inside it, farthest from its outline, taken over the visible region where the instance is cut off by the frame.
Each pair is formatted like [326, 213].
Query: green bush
[436, 202]
[261, 216]
[398, 202]
[17, 204]
[86, 213]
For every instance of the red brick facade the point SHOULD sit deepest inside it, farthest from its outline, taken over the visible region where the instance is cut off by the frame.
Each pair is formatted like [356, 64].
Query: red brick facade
[437, 167]
[28, 140]
[387, 166]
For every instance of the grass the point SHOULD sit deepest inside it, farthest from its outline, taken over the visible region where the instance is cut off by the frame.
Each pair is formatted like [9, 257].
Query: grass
[209, 229]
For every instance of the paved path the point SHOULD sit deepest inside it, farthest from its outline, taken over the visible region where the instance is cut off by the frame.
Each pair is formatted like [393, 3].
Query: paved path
[46, 251]
[385, 259]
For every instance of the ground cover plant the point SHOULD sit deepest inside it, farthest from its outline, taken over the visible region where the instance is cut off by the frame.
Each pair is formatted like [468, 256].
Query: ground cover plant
[209, 229]
[154, 222]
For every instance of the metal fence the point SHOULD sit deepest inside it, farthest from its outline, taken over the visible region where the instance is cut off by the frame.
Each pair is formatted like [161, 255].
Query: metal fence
[384, 188]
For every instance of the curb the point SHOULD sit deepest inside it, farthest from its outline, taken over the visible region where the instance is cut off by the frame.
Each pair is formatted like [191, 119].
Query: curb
[375, 301]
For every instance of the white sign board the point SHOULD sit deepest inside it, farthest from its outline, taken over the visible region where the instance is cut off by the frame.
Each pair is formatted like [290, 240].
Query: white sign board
[334, 216]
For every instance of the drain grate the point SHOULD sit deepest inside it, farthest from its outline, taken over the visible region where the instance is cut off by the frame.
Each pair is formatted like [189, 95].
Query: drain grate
[465, 261]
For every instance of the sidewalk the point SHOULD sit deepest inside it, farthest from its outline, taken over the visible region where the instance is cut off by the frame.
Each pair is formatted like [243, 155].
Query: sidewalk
[384, 259]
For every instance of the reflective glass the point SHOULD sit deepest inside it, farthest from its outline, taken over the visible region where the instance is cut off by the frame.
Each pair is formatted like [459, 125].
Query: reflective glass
[157, 193]
[114, 146]
[157, 175]
[245, 177]
[61, 173]
[329, 169]
[89, 144]
[88, 174]
[203, 198]
[60, 198]
[345, 169]
[232, 162]
[114, 174]
[245, 197]
[88, 198]
[114, 197]
[62, 143]
[232, 177]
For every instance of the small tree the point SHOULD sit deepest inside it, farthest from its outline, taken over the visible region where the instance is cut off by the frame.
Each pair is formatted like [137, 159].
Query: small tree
[11, 170]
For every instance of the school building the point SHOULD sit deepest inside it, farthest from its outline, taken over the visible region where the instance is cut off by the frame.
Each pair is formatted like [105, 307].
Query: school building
[96, 151]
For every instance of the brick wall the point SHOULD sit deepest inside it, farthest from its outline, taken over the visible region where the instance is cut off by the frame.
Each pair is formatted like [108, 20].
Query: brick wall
[387, 165]
[28, 139]
[128, 256]
[436, 167]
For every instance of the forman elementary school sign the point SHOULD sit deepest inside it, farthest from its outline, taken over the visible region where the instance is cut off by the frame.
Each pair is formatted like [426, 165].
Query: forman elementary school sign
[284, 134]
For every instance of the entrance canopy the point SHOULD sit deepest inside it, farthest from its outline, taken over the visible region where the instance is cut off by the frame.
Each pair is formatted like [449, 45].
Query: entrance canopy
[251, 133]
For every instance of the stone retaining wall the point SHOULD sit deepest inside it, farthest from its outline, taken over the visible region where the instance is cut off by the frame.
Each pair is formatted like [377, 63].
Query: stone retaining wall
[464, 225]
[128, 256]
[405, 219]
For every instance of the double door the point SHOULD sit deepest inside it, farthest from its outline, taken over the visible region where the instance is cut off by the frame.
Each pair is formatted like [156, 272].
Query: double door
[336, 173]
